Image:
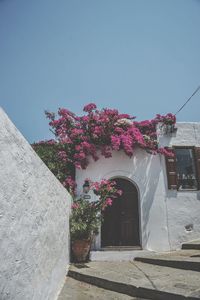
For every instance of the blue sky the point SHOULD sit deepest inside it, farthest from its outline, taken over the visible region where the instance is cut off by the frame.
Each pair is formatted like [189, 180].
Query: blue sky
[140, 56]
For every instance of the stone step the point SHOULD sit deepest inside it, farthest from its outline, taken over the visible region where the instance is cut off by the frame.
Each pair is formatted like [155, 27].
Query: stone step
[195, 245]
[116, 255]
[141, 280]
[77, 290]
[184, 259]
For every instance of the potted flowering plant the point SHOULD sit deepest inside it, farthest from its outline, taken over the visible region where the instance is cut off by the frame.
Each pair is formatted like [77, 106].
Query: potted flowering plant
[84, 222]
[86, 217]
[168, 122]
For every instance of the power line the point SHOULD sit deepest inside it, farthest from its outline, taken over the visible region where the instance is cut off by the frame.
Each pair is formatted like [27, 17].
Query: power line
[188, 100]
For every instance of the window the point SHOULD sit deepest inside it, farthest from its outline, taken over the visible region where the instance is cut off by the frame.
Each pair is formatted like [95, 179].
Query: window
[183, 170]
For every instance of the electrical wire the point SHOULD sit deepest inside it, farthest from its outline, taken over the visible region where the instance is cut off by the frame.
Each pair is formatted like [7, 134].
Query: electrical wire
[198, 88]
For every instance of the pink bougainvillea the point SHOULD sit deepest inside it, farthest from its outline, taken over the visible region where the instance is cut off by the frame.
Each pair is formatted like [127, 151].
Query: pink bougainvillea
[89, 107]
[106, 190]
[100, 132]
[168, 119]
[70, 184]
[87, 217]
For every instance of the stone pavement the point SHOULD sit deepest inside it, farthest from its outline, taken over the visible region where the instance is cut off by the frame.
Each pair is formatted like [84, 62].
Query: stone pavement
[140, 279]
[77, 290]
[192, 245]
[183, 259]
[169, 276]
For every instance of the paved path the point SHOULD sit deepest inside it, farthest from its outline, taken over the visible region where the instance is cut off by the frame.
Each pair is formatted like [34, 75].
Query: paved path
[140, 279]
[77, 290]
[166, 276]
[183, 259]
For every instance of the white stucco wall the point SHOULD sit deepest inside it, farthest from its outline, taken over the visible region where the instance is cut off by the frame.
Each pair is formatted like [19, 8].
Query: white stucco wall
[163, 213]
[145, 171]
[34, 215]
[183, 207]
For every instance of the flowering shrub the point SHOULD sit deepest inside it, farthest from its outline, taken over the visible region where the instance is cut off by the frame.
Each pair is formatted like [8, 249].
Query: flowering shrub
[168, 119]
[84, 220]
[97, 132]
[70, 185]
[107, 191]
[49, 152]
[86, 216]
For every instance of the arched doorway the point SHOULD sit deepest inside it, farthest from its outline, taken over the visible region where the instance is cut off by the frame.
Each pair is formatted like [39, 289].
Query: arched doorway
[121, 220]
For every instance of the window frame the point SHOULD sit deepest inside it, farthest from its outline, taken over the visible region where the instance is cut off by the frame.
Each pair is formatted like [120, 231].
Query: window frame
[195, 160]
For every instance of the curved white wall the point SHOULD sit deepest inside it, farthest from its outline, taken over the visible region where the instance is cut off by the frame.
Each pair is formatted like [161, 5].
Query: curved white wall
[34, 222]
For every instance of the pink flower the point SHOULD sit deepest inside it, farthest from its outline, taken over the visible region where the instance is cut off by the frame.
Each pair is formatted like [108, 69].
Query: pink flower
[109, 188]
[76, 132]
[118, 130]
[106, 151]
[80, 156]
[109, 201]
[166, 119]
[78, 147]
[98, 130]
[70, 184]
[62, 155]
[65, 140]
[86, 145]
[75, 206]
[77, 165]
[115, 141]
[85, 118]
[89, 107]
[119, 192]
[166, 152]
[54, 123]
[65, 113]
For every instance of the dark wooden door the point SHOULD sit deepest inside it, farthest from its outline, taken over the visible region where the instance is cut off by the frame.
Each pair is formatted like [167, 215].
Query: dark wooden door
[121, 220]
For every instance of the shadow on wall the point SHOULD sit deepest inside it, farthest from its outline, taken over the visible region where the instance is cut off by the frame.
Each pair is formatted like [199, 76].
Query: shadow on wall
[148, 183]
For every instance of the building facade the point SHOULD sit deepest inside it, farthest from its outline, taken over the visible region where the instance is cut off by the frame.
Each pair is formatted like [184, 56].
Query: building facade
[160, 205]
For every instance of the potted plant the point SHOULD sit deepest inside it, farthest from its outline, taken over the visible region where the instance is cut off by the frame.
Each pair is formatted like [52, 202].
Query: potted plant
[84, 222]
[86, 217]
[167, 122]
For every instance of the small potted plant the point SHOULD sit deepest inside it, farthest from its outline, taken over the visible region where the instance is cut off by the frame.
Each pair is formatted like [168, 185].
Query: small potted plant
[84, 222]
[86, 217]
[168, 122]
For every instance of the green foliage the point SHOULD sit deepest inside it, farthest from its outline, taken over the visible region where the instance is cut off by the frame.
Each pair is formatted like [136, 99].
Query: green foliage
[85, 219]
[49, 154]
[86, 216]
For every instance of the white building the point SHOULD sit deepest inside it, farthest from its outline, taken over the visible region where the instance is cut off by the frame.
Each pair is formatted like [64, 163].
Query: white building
[160, 205]
[34, 221]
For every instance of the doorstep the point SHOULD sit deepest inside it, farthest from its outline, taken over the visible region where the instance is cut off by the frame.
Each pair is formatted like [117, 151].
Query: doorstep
[117, 254]
[120, 248]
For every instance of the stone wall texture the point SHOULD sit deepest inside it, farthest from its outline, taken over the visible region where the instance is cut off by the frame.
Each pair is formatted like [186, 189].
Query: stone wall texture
[34, 221]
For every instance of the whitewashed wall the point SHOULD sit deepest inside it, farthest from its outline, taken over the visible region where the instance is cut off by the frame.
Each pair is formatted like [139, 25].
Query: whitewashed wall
[34, 215]
[183, 207]
[163, 213]
[145, 171]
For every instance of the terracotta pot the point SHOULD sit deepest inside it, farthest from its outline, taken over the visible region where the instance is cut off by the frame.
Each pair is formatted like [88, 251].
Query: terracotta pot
[81, 249]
